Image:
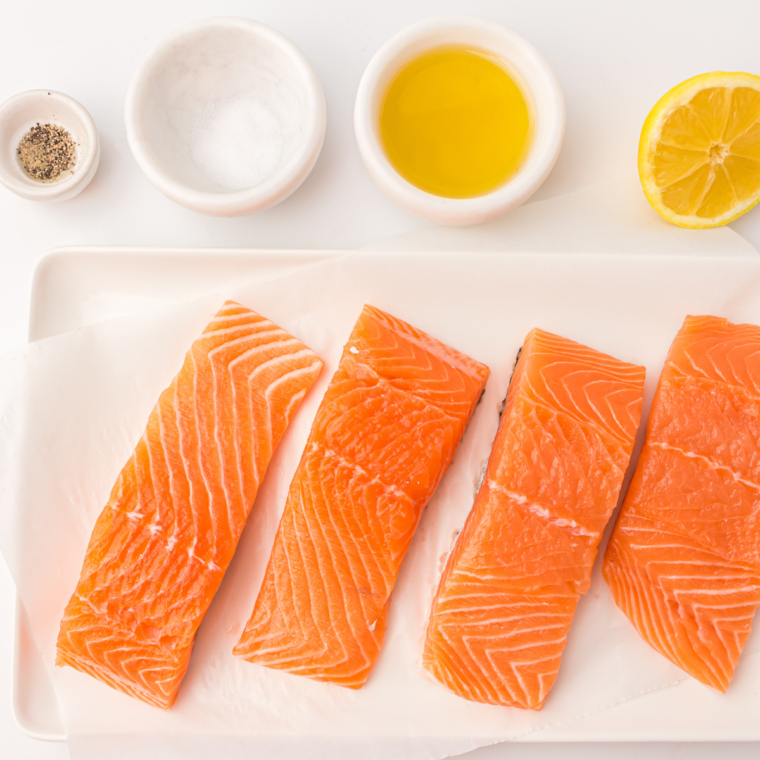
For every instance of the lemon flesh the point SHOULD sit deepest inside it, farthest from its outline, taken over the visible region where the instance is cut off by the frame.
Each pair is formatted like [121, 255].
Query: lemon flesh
[699, 153]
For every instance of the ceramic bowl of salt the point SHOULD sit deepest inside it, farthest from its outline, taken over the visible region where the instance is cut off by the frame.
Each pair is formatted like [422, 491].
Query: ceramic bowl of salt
[225, 117]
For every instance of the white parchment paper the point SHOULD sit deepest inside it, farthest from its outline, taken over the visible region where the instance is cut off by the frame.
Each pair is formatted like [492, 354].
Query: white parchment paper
[73, 406]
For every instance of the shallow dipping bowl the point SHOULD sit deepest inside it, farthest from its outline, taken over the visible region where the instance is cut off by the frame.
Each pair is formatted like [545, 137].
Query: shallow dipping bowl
[23, 111]
[526, 66]
[209, 63]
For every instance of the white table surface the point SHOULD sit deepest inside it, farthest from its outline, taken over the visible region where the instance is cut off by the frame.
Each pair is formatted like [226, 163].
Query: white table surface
[614, 59]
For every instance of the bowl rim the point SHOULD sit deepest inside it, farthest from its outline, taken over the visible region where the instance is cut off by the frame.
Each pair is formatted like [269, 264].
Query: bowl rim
[275, 188]
[459, 211]
[85, 166]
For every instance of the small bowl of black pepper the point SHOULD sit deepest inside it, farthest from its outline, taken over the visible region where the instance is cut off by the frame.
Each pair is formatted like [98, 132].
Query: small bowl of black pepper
[49, 147]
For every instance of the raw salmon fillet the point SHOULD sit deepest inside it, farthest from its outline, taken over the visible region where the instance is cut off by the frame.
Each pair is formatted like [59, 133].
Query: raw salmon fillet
[383, 437]
[684, 560]
[511, 584]
[161, 545]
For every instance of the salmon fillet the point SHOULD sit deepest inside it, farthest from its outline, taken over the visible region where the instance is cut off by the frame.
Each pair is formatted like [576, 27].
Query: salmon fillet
[512, 582]
[684, 560]
[383, 437]
[163, 541]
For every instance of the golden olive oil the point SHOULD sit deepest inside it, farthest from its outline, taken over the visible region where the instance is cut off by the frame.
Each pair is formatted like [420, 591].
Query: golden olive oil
[454, 123]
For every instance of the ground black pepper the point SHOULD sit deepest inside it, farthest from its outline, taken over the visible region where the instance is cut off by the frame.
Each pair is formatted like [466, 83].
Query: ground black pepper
[46, 152]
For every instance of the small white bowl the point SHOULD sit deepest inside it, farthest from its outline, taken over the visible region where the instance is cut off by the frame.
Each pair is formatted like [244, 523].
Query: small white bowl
[230, 66]
[527, 66]
[23, 111]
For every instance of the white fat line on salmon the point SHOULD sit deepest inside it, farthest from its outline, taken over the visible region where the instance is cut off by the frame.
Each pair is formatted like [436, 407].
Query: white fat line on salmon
[380, 382]
[709, 462]
[135, 515]
[574, 411]
[706, 639]
[359, 471]
[295, 400]
[707, 591]
[171, 542]
[539, 511]
[266, 349]
[703, 547]
[191, 553]
[248, 333]
[287, 377]
[502, 636]
[354, 350]
[313, 366]
[691, 562]
[224, 315]
[428, 344]
[253, 376]
[701, 374]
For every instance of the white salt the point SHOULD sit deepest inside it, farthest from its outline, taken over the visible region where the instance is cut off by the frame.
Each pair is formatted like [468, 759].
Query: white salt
[238, 143]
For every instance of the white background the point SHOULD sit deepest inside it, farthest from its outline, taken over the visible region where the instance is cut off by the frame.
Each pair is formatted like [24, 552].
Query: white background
[613, 59]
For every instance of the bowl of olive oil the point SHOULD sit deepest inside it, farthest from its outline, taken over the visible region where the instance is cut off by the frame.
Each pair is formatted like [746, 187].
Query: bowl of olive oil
[459, 119]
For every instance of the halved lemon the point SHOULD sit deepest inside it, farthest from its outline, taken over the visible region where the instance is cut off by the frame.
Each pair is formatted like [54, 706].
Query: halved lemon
[699, 152]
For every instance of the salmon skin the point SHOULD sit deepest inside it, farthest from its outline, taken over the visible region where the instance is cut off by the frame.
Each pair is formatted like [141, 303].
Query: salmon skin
[383, 437]
[683, 562]
[161, 545]
[511, 584]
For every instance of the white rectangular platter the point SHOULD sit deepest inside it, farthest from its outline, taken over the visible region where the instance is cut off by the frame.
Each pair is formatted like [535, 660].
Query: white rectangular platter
[73, 287]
